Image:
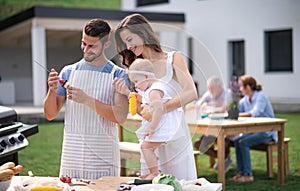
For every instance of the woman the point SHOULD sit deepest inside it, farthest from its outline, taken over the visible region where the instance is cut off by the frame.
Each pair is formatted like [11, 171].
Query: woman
[136, 39]
[253, 104]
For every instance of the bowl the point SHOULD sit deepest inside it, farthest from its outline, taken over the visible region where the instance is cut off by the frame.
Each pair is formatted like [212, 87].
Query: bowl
[5, 184]
[153, 187]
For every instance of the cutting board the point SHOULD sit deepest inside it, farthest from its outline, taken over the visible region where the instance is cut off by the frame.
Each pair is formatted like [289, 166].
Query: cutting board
[106, 183]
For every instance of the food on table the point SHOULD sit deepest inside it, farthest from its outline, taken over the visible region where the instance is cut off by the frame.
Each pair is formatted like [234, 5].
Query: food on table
[73, 181]
[46, 188]
[153, 187]
[40, 183]
[168, 179]
[64, 83]
[200, 184]
[65, 179]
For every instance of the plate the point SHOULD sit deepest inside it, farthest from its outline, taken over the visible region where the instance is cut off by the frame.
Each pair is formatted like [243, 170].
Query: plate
[25, 183]
[217, 115]
[153, 187]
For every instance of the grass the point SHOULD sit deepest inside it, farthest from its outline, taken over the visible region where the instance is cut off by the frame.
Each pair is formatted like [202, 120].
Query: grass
[43, 154]
[11, 7]
[42, 157]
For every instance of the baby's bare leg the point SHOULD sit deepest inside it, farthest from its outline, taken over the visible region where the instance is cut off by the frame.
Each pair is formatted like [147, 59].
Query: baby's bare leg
[148, 149]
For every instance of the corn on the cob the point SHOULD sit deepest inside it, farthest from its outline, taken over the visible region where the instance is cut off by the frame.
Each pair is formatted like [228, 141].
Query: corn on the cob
[132, 104]
[46, 188]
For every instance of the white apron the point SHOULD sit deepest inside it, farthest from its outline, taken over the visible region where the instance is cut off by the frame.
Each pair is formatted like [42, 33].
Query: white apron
[91, 146]
[175, 157]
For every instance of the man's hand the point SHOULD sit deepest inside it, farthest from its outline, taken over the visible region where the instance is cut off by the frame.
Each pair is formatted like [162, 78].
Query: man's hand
[53, 80]
[77, 95]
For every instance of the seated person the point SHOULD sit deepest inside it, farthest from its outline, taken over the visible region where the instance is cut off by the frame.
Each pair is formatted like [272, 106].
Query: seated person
[215, 100]
[253, 104]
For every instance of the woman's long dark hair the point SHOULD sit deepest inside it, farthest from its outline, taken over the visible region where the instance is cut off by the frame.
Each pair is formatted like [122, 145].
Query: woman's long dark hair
[137, 24]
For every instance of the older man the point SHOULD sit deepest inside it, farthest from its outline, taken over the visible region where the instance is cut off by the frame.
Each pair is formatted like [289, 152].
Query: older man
[214, 100]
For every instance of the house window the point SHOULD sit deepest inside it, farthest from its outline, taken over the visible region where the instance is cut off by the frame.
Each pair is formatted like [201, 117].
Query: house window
[237, 57]
[279, 51]
[191, 56]
[140, 3]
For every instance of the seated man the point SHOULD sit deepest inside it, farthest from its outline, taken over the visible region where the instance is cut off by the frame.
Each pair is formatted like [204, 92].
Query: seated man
[215, 100]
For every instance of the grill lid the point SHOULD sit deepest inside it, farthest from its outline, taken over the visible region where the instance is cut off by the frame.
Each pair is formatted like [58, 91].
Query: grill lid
[7, 116]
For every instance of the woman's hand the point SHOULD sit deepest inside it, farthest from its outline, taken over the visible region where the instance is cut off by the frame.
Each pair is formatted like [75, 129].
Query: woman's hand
[120, 86]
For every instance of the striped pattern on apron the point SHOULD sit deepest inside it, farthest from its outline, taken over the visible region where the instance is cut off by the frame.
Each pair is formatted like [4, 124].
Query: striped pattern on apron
[91, 145]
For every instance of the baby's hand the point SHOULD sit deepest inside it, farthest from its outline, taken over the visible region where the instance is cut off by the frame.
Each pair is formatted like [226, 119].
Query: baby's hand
[149, 132]
[146, 112]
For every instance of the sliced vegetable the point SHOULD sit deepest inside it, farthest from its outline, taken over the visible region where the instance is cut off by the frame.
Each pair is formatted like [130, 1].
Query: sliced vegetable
[168, 179]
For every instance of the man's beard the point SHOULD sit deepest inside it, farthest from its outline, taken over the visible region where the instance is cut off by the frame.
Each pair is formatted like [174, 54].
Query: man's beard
[89, 59]
[93, 56]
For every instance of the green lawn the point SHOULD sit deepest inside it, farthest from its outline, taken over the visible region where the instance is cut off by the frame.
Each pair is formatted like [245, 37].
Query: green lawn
[11, 7]
[42, 157]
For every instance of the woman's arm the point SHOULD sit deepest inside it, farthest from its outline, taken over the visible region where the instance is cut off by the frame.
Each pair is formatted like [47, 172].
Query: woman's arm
[244, 114]
[184, 78]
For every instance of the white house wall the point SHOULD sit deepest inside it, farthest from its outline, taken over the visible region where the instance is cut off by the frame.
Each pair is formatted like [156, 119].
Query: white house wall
[16, 70]
[213, 23]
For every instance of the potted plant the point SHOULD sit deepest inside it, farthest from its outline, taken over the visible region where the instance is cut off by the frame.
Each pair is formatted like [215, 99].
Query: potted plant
[233, 107]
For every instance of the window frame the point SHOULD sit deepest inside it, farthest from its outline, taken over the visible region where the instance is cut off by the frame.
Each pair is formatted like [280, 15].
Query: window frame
[141, 3]
[272, 48]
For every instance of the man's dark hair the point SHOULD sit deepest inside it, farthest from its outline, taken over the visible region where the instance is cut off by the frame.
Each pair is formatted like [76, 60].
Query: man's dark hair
[98, 28]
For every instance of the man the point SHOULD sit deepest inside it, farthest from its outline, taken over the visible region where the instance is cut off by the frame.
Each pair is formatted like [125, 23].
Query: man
[214, 100]
[93, 108]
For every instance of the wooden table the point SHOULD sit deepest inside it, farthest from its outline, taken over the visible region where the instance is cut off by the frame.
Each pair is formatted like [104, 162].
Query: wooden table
[106, 183]
[221, 128]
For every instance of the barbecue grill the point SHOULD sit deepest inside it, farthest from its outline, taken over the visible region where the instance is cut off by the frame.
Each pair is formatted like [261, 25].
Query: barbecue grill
[13, 135]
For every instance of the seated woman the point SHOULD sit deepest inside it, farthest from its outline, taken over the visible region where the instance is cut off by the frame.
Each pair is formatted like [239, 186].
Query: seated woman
[253, 104]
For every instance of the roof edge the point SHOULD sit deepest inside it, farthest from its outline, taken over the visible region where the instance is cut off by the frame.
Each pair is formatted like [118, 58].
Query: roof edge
[85, 13]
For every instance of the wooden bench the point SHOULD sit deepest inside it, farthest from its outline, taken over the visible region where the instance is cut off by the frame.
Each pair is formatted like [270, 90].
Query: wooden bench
[129, 150]
[269, 148]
